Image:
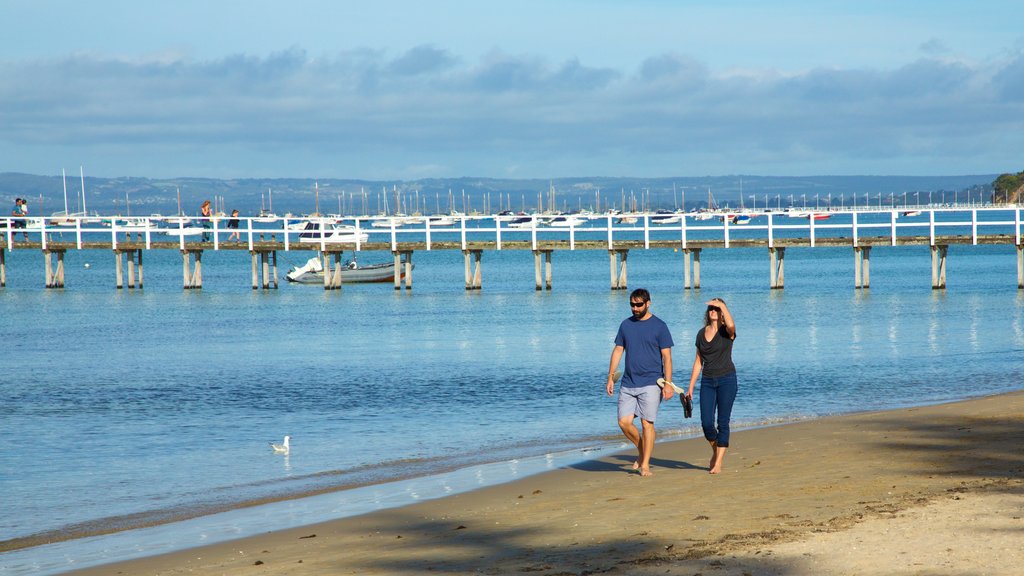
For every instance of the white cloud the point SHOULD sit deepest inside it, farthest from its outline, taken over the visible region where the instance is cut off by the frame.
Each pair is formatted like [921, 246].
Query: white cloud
[427, 112]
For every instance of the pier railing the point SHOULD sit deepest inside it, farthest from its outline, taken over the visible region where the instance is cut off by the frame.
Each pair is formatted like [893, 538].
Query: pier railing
[851, 227]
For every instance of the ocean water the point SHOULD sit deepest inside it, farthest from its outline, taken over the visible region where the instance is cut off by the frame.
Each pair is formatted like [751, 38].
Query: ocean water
[129, 408]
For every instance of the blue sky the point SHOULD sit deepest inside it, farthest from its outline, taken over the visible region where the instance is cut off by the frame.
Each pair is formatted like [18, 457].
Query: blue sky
[526, 89]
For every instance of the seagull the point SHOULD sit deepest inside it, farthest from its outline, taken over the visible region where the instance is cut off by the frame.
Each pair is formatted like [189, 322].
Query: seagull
[282, 448]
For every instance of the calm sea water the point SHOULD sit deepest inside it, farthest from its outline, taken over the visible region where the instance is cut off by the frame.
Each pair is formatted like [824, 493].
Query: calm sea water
[129, 408]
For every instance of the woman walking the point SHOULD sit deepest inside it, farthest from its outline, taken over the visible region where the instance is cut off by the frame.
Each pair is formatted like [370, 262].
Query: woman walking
[713, 364]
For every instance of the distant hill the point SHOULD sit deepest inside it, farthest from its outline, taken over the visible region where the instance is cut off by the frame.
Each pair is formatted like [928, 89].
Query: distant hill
[141, 196]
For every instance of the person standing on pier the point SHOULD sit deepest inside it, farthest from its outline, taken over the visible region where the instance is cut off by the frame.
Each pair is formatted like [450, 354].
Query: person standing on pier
[206, 213]
[718, 386]
[647, 344]
[20, 209]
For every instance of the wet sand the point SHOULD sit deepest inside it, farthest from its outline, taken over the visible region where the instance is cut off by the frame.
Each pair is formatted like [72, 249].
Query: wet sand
[928, 490]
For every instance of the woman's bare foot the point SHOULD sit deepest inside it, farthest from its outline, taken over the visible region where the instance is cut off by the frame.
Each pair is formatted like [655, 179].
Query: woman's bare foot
[646, 472]
[716, 462]
[636, 465]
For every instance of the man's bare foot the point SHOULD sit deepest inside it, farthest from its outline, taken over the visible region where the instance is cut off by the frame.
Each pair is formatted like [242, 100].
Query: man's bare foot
[714, 455]
[646, 472]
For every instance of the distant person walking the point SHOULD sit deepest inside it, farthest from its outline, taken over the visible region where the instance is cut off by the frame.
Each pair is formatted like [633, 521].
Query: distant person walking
[206, 213]
[718, 386]
[647, 343]
[233, 225]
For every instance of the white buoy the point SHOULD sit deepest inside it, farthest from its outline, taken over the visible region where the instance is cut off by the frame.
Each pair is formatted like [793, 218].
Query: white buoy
[87, 264]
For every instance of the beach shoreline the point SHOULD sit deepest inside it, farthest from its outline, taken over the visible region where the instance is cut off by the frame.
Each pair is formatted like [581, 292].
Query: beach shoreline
[781, 485]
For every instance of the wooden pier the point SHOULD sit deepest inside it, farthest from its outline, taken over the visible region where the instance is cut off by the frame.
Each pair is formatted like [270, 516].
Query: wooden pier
[936, 228]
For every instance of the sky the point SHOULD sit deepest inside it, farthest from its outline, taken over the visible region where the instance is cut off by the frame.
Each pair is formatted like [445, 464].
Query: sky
[396, 89]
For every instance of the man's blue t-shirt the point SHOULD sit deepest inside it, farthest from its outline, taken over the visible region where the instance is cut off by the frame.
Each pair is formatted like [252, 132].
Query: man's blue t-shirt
[643, 341]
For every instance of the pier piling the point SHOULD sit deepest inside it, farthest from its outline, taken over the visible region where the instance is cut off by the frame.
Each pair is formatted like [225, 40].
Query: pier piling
[403, 257]
[862, 267]
[777, 272]
[193, 276]
[939, 266]
[1020, 266]
[54, 277]
[691, 268]
[538, 266]
[267, 265]
[332, 274]
[473, 281]
[617, 260]
[3, 267]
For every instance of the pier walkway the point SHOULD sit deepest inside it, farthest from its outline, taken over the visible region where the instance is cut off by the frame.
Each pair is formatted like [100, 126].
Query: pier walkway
[690, 233]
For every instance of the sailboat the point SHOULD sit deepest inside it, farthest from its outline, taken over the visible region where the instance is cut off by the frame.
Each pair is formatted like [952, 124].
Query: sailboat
[265, 214]
[65, 218]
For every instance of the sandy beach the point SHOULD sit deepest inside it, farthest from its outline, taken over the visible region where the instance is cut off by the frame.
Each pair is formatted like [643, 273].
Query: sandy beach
[927, 490]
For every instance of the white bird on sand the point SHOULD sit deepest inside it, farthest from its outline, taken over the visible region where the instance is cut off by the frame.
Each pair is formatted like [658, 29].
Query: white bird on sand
[282, 448]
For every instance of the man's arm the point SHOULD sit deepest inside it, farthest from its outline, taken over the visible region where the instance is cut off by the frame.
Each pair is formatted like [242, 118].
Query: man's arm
[612, 366]
[666, 363]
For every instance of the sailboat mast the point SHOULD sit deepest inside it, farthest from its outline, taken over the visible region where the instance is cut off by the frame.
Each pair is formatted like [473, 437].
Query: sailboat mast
[64, 176]
[81, 172]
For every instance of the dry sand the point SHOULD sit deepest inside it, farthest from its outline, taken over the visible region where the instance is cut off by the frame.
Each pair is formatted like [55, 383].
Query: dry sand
[929, 490]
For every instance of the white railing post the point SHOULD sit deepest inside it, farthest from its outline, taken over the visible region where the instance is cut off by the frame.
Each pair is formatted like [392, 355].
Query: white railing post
[610, 239]
[78, 233]
[931, 227]
[892, 224]
[682, 232]
[974, 226]
[856, 238]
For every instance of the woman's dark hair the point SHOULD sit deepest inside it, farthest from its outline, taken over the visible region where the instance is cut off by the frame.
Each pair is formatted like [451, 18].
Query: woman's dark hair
[707, 313]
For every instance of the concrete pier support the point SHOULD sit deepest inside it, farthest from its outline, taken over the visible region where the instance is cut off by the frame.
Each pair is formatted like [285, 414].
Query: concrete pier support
[332, 273]
[1020, 267]
[777, 271]
[54, 276]
[617, 260]
[691, 268]
[134, 260]
[403, 258]
[3, 267]
[473, 281]
[539, 266]
[862, 266]
[939, 266]
[265, 272]
[192, 276]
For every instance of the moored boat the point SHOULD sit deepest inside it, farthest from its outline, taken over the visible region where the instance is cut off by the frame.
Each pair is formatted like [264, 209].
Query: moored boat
[312, 272]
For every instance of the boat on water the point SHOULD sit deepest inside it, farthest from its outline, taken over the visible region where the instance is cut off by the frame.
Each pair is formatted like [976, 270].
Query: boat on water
[314, 233]
[738, 219]
[522, 221]
[668, 217]
[911, 213]
[312, 272]
[565, 221]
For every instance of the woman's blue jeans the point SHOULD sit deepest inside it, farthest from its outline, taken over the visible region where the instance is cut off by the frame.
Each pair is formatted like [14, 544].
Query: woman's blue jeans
[717, 393]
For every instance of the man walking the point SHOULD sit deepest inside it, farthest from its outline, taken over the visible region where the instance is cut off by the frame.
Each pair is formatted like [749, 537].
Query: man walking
[646, 340]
